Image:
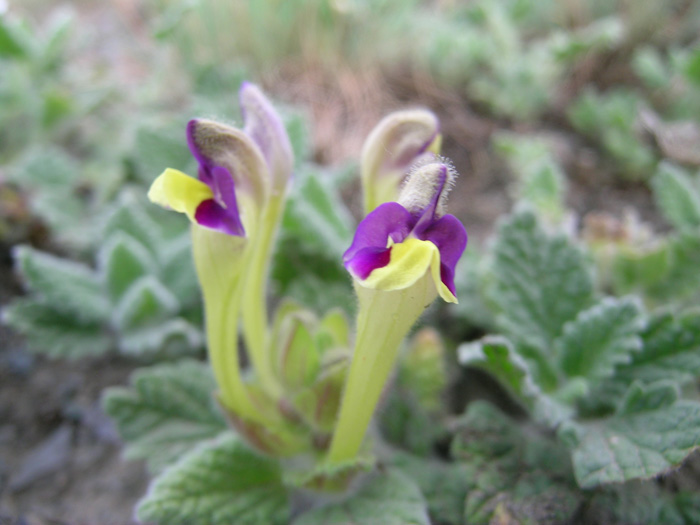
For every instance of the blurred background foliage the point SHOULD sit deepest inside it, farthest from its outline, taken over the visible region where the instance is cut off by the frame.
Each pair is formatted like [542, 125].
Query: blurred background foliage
[585, 111]
[566, 98]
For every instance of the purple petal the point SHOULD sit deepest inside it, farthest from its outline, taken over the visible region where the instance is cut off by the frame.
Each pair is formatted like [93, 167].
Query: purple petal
[211, 215]
[388, 220]
[205, 165]
[367, 260]
[450, 237]
[264, 126]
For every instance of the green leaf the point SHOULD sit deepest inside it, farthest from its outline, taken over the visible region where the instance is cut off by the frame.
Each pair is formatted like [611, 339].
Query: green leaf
[299, 136]
[600, 338]
[406, 423]
[317, 217]
[444, 485]
[677, 196]
[54, 333]
[48, 168]
[670, 351]
[517, 470]
[218, 484]
[317, 282]
[649, 64]
[639, 269]
[171, 337]
[540, 181]
[167, 410]
[122, 260]
[638, 445]
[682, 279]
[692, 67]
[129, 217]
[12, 42]
[642, 398]
[145, 302]
[177, 270]
[299, 359]
[67, 286]
[58, 31]
[389, 498]
[159, 148]
[497, 356]
[541, 282]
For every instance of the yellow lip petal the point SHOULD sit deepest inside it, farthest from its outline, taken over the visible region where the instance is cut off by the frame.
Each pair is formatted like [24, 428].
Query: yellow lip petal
[410, 260]
[180, 192]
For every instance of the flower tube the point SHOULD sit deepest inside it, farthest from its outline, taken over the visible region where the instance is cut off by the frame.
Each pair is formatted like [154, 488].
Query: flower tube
[402, 257]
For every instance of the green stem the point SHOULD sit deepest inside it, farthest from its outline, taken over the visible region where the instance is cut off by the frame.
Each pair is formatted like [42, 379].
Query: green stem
[255, 321]
[384, 319]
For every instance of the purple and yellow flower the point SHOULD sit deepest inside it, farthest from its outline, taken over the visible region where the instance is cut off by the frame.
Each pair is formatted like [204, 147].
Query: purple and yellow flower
[238, 169]
[403, 255]
[235, 206]
[397, 244]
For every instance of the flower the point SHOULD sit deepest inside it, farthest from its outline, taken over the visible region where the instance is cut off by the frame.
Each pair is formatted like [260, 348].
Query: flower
[238, 169]
[228, 161]
[235, 205]
[398, 242]
[402, 256]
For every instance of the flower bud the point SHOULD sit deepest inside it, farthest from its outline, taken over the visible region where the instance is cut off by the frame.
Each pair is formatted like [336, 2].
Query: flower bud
[264, 126]
[396, 143]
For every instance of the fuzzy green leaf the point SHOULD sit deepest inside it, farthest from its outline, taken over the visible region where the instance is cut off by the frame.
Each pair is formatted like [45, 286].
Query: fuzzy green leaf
[497, 356]
[638, 445]
[160, 148]
[54, 333]
[167, 410]
[635, 270]
[692, 67]
[122, 261]
[129, 217]
[600, 338]
[541, 282]
[317, 217]
[67, 286]
[670, 351]
[218, 483]
[389, 498]
[48, 168]
[171, 337]
[642, 398]
[516, 468]
[682, 280]
[177, 270]
[145, 302]
[299, 136]
[677, 196]
[12, 40]
[540, 181]
[444, 485]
